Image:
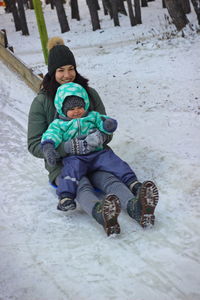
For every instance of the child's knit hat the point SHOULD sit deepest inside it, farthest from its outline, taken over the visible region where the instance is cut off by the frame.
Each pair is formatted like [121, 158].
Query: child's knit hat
[71, 102]
[59, 55]
[70, 89]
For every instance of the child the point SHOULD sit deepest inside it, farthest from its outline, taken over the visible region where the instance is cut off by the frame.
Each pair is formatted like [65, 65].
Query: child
[75, 121]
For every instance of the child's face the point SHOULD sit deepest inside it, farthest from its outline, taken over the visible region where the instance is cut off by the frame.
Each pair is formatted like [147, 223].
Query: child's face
[75, 112]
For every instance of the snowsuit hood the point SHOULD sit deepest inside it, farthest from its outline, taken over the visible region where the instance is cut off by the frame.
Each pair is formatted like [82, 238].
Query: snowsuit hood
[70, 89]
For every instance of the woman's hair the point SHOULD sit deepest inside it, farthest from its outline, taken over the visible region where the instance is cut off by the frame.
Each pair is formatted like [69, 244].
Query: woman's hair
[50, 85]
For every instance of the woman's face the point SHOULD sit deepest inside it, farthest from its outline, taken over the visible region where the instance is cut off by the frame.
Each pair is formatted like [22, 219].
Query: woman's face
[65, 74]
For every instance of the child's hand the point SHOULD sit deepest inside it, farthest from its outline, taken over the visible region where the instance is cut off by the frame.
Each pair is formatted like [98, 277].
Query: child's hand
[109, 124]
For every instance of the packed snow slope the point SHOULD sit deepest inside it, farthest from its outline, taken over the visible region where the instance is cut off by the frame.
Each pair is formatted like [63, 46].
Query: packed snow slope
[149, 81]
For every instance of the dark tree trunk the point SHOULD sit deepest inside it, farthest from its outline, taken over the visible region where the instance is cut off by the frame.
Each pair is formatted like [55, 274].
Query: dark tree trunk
[114, 6]
[97, 4]
[104, 8]
[196, 4]
[26, 4]
[15, 15]
[131, 13]
[30, 4]
[121, 7]
[22, 16]
[108, 7]
[62, 18]
[138, 11]
[177, 14]
[93, 14]
[75, 10]
[185, 6]
[163, 4]
[115, 12]
[50, 2]
[144, 3]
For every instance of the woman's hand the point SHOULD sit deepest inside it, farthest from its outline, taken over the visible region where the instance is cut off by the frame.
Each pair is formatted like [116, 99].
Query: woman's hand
[50, 153]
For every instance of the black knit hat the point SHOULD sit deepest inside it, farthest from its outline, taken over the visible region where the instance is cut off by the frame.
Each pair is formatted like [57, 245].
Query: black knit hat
[71, 102]
[59, 55]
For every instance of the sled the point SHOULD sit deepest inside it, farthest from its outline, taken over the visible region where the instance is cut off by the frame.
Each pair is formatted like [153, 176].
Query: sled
[99, 193]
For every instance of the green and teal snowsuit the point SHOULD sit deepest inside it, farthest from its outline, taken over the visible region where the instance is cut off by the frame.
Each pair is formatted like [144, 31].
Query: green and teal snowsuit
[76, 166]
[41, 114]
[63, 129]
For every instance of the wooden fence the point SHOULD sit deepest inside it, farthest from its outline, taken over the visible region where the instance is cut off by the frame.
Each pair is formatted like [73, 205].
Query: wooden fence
[10, 59]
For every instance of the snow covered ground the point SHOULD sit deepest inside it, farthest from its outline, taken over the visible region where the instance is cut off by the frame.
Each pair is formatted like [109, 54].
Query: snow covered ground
[151, 85]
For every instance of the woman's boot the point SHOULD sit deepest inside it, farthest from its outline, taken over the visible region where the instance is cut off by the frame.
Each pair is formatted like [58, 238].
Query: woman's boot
[107, 212]
[142, 207]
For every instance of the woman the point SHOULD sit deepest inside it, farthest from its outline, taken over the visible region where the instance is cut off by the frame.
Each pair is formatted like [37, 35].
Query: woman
[139, 200]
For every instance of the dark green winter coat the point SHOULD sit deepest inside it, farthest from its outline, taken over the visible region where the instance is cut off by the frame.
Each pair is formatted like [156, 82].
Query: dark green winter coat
[42, 113]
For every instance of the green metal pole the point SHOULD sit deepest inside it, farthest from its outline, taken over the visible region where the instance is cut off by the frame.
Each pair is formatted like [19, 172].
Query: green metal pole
[41, 27]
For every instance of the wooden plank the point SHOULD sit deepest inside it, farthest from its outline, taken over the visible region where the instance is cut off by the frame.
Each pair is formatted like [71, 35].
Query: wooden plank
[2, 39]
[27, 74]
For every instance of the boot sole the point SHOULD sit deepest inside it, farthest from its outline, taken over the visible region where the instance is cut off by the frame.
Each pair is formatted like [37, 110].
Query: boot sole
[148, 198]
[69, 207]
[110, 212]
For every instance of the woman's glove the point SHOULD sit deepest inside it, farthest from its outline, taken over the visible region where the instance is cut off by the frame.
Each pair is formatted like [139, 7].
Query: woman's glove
[110, 125]
[50, 153]
[95, 139]
[78, 147]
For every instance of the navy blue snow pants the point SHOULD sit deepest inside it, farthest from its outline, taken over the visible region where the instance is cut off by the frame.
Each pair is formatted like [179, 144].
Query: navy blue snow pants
[76, 167]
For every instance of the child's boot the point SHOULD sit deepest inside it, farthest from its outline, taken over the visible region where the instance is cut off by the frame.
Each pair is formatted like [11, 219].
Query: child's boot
[66, 204]
[107, 212]
[142, 207]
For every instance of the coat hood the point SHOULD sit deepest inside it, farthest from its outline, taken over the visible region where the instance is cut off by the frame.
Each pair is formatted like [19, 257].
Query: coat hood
[70, 89]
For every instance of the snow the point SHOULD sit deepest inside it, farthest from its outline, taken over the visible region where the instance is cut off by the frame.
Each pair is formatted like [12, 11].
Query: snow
[148, 78]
